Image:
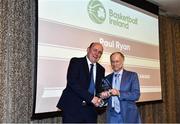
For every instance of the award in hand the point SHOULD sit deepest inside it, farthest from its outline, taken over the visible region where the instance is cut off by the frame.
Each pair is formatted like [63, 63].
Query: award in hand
[106, 86]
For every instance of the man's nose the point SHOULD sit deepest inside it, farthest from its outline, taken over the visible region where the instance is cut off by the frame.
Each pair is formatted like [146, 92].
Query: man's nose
[96, 53]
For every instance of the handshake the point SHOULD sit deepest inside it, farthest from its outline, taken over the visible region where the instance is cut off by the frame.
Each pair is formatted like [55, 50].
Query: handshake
[99, 101]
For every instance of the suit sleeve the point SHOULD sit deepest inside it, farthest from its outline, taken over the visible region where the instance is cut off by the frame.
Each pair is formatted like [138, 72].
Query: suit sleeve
[134, 93]
[73, 81]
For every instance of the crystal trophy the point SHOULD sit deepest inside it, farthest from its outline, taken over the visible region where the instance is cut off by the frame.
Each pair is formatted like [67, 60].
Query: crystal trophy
[106, 86]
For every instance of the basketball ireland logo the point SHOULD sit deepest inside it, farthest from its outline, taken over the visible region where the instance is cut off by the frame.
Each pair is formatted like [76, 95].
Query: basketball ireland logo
[96, 11]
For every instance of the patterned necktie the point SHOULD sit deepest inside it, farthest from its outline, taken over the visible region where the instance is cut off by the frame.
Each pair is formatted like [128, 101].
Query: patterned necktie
[115, 100]
[91, 86]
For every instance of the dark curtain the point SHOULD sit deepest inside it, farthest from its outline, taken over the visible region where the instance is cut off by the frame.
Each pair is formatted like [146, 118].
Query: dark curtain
[167, 110]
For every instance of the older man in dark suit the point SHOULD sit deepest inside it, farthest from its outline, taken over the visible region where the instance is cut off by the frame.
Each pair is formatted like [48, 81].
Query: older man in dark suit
[84, 77]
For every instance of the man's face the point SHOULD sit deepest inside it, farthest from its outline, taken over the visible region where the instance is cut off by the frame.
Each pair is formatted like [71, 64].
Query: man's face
[94, 52]
[117, 62]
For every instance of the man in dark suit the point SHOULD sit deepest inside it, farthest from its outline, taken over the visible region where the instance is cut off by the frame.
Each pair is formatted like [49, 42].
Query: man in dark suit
[124, 93]
[77, 102]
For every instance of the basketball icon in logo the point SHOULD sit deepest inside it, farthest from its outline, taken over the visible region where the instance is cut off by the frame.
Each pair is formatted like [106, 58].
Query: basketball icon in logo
[96, 11]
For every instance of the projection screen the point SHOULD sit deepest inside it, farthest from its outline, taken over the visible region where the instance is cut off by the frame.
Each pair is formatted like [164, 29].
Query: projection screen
[67, 27]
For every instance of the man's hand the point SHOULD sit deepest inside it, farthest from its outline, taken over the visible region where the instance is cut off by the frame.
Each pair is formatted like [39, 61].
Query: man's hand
[96, 101]
[115, 92]
[105, 94]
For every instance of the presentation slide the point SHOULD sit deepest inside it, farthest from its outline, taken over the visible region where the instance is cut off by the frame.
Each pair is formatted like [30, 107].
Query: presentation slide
[67, 27]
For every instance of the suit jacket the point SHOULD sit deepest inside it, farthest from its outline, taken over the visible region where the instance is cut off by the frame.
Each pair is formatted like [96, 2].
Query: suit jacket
[78, 80]
[129, 93]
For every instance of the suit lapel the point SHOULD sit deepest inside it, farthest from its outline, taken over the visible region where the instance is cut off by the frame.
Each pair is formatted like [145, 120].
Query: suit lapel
[86, 68]
[97, 72]
[123, 78]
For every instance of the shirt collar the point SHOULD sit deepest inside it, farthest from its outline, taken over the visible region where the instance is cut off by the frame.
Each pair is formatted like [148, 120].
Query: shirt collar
[89, 62]
[119, 72]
